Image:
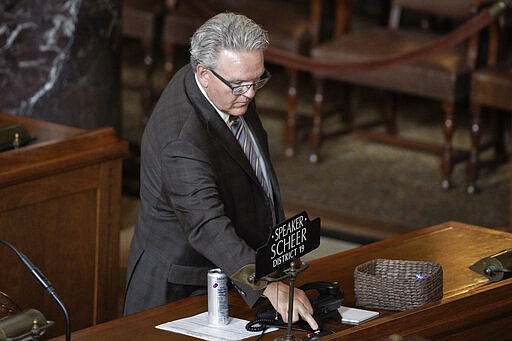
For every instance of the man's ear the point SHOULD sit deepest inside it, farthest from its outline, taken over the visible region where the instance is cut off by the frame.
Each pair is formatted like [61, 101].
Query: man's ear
[202, 75]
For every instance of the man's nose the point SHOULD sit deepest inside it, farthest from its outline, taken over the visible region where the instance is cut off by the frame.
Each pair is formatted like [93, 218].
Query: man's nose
[251, 92]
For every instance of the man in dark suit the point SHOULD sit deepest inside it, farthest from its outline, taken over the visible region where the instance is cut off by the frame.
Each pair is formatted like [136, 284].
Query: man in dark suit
[204, 205]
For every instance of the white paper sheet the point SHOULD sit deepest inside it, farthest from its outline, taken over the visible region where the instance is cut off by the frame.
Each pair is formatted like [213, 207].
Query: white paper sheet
[356, 316]
[197, 326]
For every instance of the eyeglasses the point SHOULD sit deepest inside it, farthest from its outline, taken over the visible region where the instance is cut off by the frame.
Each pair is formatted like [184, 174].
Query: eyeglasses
[242, 89]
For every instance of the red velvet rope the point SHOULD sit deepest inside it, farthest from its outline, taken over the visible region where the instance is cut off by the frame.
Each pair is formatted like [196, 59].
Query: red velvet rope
[319, 65]
[305, 63]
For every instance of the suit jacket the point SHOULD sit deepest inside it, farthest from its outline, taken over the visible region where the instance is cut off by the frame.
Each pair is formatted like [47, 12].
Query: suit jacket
[201, 204]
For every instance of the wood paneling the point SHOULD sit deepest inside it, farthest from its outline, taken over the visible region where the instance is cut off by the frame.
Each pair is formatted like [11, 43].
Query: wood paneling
[60, 206]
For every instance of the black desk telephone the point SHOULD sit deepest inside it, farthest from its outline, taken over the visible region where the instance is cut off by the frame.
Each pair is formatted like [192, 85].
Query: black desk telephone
[325, 306]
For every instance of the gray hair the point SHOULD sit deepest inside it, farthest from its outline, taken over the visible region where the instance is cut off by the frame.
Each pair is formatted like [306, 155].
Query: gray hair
[228, 31]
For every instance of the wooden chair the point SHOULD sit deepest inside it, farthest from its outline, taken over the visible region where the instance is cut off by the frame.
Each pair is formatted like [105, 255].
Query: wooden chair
[444, 76]
[293, 26]
[141, 20]
[491, 89]
[179, 25]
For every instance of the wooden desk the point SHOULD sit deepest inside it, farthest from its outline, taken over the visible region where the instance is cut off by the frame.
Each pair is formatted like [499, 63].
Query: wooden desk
[471, 309]
[60, 206]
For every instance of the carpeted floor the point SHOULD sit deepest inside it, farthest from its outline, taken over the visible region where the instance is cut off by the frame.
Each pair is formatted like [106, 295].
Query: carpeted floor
[364, 190]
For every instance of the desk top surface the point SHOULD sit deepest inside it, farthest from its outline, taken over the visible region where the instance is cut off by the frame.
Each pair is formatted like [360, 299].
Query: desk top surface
[56, 148]
[43, 131]
[454, 245]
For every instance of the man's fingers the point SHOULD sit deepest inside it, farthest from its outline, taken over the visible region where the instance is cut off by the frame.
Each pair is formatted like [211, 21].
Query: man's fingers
[308, 306]
[301, 306]
[304, 300]
[310, 320]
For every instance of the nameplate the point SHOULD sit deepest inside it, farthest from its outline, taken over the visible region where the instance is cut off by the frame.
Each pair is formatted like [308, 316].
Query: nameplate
[288, 241]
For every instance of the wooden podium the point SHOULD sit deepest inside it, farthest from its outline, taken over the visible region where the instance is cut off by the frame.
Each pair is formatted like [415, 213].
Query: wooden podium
[60, 206]
[472, 308]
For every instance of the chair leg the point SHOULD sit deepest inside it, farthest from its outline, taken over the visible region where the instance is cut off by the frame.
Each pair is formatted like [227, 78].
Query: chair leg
[291, 122]
[447, 158]
[315, 135]
[472, 165]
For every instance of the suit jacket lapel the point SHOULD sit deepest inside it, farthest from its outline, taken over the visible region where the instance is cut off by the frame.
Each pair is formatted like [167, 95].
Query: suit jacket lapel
[218, 128]
[215, 125]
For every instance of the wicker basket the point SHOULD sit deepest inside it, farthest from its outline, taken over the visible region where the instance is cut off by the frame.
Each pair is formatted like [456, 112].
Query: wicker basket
[397, 284]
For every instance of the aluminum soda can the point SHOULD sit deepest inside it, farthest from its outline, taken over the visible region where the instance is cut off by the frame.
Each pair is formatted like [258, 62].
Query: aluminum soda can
[217, 297]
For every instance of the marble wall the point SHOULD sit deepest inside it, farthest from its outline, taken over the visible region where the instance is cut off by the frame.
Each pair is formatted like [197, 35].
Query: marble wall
[60, 61]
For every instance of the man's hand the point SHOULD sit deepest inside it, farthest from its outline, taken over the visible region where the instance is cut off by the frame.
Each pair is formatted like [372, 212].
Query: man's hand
[277, 293]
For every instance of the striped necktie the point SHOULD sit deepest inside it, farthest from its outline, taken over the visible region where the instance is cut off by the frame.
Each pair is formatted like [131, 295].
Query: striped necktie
[239, 129]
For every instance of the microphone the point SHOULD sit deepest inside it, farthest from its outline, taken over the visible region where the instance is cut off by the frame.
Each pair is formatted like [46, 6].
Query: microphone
[495, 267]
[491, 270]
[45, 283]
